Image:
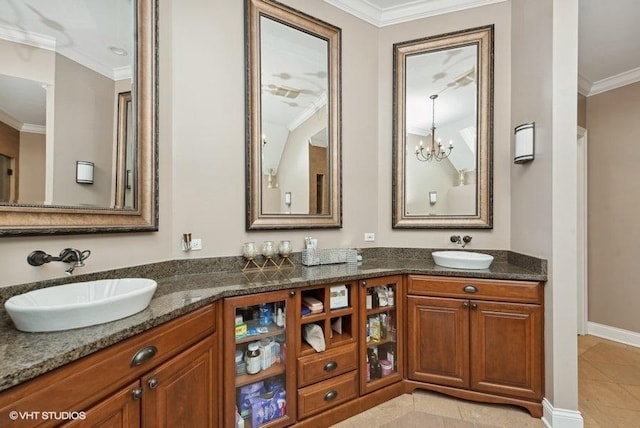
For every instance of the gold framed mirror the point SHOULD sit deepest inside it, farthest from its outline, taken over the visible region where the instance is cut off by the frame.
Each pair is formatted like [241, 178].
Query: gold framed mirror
[85, 113]
[293, 144]
[443, 131]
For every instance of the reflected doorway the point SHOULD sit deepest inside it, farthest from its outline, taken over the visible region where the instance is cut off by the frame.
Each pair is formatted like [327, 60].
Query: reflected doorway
[6, 173]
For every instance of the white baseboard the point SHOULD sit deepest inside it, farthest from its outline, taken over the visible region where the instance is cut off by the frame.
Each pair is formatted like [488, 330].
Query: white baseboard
[560, 418]
[613, 333]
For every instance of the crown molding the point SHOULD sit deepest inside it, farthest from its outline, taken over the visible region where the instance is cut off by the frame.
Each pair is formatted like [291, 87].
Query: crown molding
[27, 38]
[414, 130]
[49, 43]
[314, 106]
[34, 129]
[19, 126]
[10, 120]
[584, 85]
[614, 82]
[381, 17]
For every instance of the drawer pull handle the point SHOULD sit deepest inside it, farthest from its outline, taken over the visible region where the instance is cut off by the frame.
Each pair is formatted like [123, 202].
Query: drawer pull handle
[136, 394]
[143, 355]
[331, 395]
[331, 365]
[470, 289]
[153, 383]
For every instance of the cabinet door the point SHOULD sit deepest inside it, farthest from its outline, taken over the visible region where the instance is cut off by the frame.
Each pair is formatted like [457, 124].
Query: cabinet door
[121, 410]
[438, 340]
[262, 394]
[182, 391]
[381, 337]
[506, 349]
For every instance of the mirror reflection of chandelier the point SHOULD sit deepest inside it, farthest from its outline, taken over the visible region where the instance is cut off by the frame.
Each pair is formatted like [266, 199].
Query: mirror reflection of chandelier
[434, 149]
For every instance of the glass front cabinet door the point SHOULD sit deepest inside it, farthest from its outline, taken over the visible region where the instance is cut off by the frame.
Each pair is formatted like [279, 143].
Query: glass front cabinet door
[381, 356]
[260, 389]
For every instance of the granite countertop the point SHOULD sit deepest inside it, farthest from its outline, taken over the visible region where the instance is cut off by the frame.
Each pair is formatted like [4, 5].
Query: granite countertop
[24, 356]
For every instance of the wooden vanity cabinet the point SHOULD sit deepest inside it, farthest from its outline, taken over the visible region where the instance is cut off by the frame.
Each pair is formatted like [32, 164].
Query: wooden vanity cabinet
[327, 378]
[266, 320]
[179, 392]
[175, 386]
[477, 339]
[381, 333]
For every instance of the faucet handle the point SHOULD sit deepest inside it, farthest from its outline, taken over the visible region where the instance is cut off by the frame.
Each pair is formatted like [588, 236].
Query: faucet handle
[466, 239]
[455, 239]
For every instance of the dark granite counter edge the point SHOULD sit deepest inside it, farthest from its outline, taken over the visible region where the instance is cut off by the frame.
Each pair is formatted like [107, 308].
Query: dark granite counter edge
[184, 270]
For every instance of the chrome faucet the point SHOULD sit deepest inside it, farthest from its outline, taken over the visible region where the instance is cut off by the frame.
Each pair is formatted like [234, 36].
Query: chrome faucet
[68, 255]
[464, 241]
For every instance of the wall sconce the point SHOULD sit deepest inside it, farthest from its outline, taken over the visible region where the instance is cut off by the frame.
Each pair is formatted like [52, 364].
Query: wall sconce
[129, 179]
[84, 172]
[524, 142]
[433, 198]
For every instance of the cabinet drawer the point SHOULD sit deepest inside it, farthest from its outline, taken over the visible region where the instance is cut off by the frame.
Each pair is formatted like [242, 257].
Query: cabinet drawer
[478, 289]
[325, 365]
[323, 395]
[80, 384]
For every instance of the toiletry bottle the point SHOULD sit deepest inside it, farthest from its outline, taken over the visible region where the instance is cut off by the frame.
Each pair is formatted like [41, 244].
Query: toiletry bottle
[279, 317]
[374, 324]
[253, 358]
[375, 367]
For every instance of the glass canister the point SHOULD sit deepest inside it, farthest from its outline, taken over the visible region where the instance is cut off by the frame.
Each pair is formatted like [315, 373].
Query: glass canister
[253, 358]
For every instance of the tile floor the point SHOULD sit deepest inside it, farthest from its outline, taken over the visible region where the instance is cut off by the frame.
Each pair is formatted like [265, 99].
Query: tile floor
[609, 397]
[608, 383]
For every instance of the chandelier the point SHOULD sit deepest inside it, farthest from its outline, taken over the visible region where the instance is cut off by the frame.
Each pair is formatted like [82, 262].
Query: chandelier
[432, 150]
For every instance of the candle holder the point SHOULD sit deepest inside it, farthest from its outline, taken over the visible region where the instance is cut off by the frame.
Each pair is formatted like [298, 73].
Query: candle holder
[268, 251]
[285, 251]
[249, 251]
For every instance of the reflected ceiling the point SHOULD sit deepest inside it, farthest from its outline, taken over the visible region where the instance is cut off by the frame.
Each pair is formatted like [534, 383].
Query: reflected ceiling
[82, 30]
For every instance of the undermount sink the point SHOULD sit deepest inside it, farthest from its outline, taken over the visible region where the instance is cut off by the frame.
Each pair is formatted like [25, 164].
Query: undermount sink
[462, 259]
[79, 304]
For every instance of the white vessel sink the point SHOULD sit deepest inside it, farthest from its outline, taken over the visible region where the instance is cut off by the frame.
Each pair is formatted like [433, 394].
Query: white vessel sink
[462, 259]
[80, 304]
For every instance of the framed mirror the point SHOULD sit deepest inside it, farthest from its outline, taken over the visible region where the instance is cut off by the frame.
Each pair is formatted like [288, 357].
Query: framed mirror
[293, 119]
[443, 131]
[78, 117]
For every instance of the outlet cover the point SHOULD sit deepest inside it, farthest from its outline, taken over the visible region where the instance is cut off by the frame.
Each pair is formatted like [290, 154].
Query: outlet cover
[369, 237]
[196, 244]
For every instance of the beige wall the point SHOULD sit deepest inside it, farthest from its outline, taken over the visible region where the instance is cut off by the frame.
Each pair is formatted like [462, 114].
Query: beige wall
[10, 148]
[614, 203]
[582, 111]
[544, 78]
[32, 164]
[27, 62]
[83, 130]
